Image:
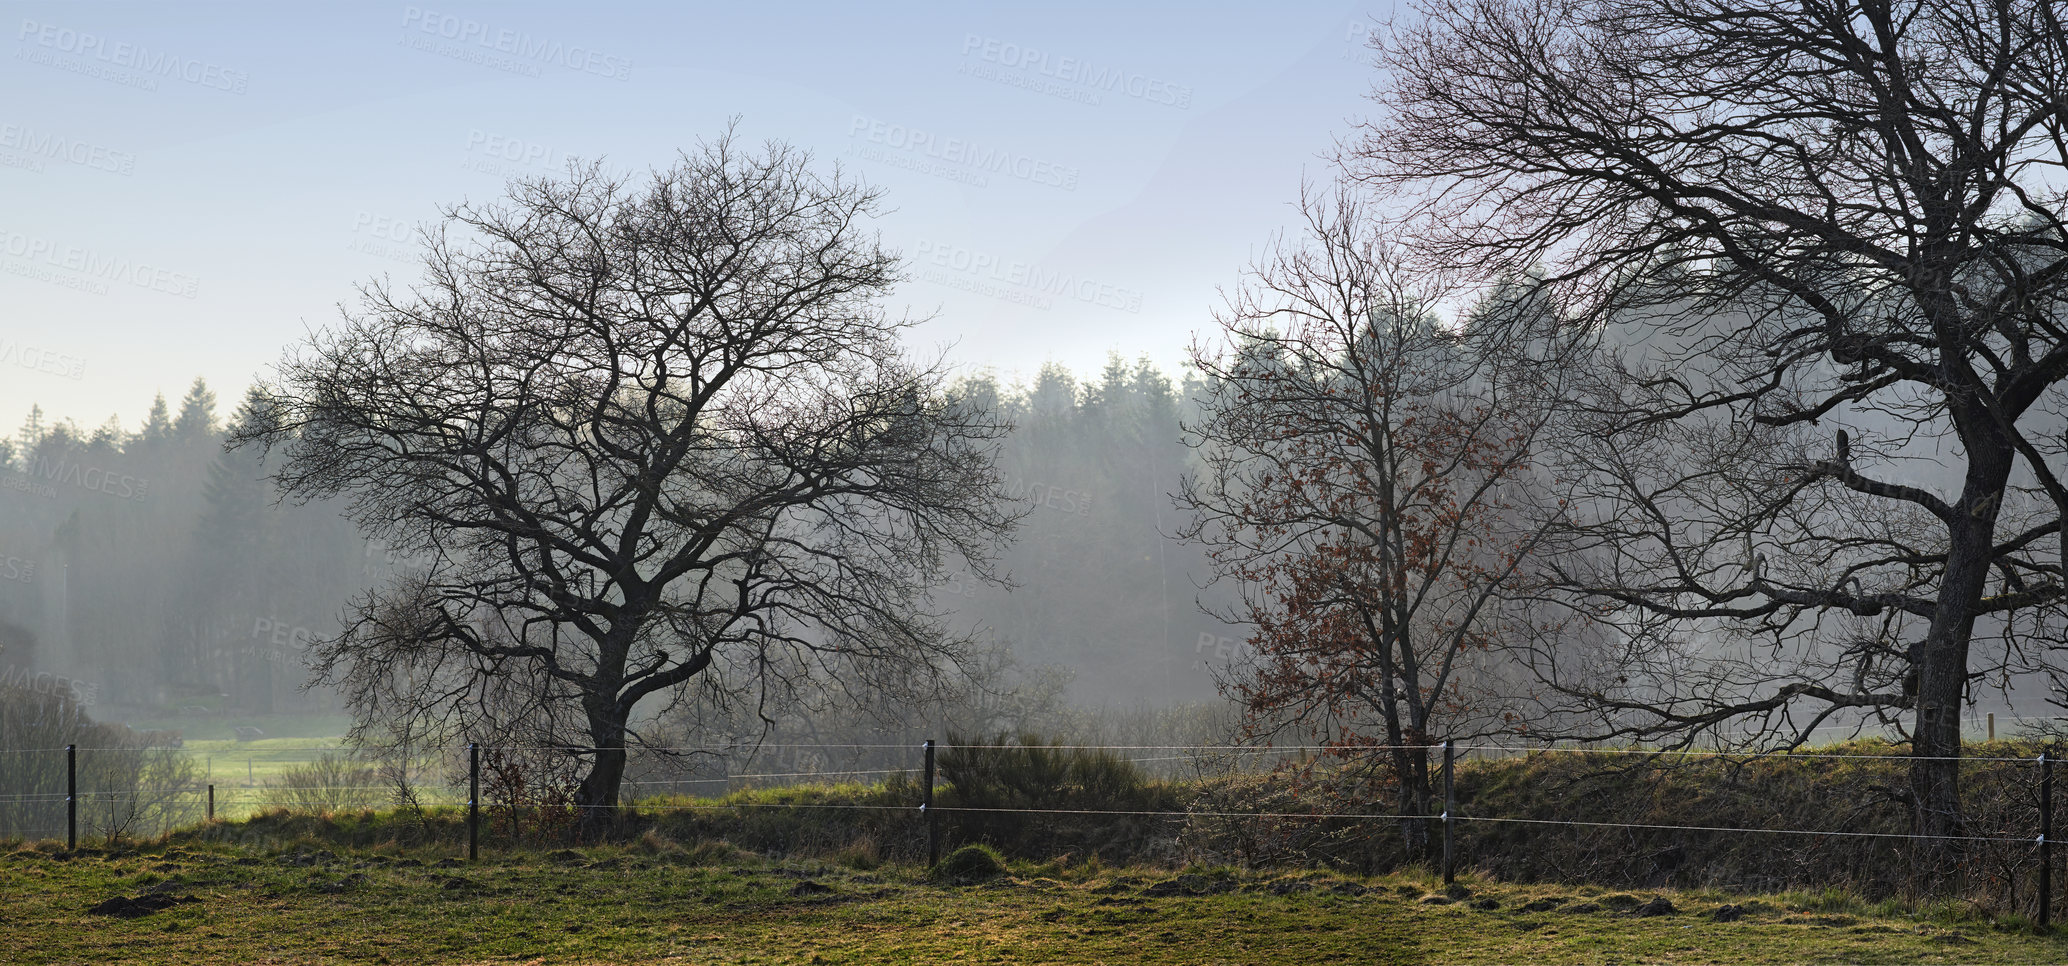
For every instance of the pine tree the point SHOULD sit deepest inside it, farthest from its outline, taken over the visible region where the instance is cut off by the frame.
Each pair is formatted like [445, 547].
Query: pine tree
[31, 433]
[157, 425]
[197, 412]
[108, 439]
[235, 494]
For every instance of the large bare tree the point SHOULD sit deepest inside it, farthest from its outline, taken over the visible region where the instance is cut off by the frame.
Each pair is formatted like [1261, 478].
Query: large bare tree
[646, 433]
[1829, 213]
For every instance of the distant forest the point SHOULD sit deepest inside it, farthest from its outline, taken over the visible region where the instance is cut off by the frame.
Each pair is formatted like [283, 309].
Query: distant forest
[150, 570]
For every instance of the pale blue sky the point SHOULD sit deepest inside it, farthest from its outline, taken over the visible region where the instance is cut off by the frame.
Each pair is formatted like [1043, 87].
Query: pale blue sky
[187, 187]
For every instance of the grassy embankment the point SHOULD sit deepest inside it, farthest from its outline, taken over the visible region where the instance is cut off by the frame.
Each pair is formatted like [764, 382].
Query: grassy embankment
[1605, 819]
[837, 883]
[391, 887]
[656, 901]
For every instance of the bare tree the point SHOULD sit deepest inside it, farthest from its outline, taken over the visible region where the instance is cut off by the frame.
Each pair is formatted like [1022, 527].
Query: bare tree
[1834, 211]
[647, 434]
[1357, 462]
[129, 782]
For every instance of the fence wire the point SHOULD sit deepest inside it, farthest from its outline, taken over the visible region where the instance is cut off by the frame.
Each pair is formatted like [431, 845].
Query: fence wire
[34, 807]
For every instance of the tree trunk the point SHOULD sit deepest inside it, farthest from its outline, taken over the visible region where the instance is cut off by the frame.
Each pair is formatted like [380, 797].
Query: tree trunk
[1941, 664]
[1411, 769]
[1935, 733]
[597, 796]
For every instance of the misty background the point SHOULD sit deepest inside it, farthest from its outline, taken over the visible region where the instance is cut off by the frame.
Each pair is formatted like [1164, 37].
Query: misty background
[163, 580]
[189, 191]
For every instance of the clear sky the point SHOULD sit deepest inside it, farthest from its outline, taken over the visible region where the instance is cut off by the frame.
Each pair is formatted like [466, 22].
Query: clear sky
[188, 187]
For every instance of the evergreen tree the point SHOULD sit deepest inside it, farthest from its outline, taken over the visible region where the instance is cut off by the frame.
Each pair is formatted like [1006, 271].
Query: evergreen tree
[31, 433]
[157, 425]
[107, 440]
[197, 413]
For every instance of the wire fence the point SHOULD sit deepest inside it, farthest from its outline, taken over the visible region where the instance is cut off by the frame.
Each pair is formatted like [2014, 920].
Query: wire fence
[1676, 808]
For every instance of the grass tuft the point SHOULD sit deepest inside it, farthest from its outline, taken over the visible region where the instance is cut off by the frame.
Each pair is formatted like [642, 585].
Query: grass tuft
[969, 864]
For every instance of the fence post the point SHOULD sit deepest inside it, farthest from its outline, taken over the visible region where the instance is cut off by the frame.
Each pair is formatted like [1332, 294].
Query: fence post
[71, 797]
[1450, 805]
[933, 820]
[473, 801]
[2046, 837]
[211, 801]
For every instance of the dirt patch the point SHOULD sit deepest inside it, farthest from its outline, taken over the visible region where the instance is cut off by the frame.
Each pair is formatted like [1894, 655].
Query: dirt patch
[1659, 906]
[124, 907]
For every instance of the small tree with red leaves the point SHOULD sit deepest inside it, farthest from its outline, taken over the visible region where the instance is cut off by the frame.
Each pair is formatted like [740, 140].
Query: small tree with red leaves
[1359, 468]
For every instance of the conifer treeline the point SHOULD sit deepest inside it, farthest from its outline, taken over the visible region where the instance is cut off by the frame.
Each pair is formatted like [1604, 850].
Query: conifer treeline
[156, 571]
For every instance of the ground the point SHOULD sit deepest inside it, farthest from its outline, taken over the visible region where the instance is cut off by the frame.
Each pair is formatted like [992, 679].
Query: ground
[654, 901]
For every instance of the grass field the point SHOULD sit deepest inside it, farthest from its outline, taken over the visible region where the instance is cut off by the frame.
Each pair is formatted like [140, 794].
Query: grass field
[656, 901]
[223, 727]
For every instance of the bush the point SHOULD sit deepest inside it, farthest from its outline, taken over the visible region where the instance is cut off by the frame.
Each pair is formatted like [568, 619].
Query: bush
[331, 783]
[1033, 799]
[130, 783]
[806, 820]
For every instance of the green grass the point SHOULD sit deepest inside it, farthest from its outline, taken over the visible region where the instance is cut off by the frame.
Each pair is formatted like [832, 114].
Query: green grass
[242, 772]
[222, 728]
[654, 900]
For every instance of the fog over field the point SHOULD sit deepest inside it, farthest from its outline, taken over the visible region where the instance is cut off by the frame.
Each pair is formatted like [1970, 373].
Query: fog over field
[1306, 454]
[191, 191]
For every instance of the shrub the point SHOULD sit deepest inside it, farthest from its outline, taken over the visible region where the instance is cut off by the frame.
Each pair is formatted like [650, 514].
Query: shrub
[331, 783]
[816, 820]
[130, 783]
[1033, 798]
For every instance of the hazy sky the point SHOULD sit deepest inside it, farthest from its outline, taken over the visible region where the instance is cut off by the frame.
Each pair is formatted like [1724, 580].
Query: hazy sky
[188, 187]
